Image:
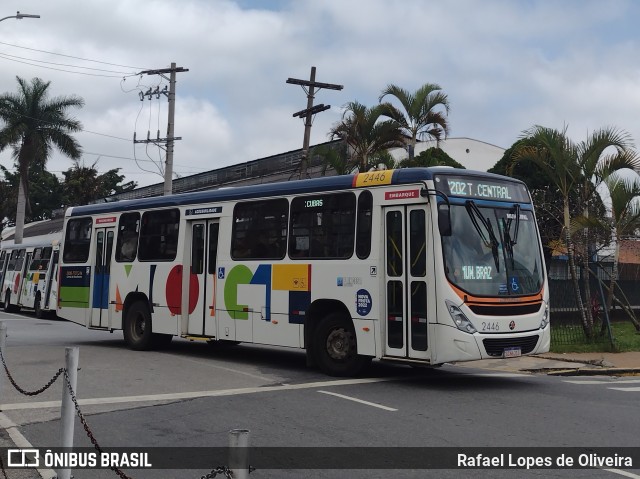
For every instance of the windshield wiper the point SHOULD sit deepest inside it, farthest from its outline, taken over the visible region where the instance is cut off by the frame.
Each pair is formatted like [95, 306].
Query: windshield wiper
[510, 242]
[492, 242]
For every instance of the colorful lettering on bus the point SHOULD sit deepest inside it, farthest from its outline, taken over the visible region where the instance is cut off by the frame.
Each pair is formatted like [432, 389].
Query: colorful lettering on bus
[402, 265]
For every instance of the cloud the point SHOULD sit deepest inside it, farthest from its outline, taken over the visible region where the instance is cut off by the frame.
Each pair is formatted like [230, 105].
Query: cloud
[504, 65]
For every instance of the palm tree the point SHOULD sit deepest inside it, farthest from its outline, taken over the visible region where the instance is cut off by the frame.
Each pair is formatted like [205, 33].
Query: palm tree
[624, 222]
[365, 133]
[604, 152]
[33, 125]
[571, 167]
[422, 113]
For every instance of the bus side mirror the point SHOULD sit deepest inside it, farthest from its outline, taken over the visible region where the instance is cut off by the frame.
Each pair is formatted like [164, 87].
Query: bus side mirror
[444, 219]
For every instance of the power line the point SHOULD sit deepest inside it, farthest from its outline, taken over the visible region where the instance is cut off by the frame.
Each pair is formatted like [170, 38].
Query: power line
[71, 56]
[82, 130]
[61, 64]
[62, 70]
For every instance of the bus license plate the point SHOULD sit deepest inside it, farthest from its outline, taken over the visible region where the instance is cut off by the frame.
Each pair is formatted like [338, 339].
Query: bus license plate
[512, 352]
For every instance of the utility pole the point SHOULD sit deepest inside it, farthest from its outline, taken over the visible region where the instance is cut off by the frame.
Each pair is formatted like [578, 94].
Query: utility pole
[311, 110]
[171, 95]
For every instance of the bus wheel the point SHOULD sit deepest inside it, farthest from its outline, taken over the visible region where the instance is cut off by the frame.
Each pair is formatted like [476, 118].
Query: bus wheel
[37, 308]
[137, 327]
[335, 347]
[8, 307]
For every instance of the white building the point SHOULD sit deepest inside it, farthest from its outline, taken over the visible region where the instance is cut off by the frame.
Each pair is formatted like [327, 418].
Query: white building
[472, 154]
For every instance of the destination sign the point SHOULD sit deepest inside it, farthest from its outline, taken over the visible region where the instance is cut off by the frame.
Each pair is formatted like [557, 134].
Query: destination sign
[203, 211]
[482, 188]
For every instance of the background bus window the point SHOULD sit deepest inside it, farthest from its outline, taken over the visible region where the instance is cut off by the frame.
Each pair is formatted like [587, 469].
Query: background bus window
[12, 260]
[260, 229]
[77, 240]
[323, 226]
[40, 259]
[20, 260]
[159, 235]
[3, 257]
[363, 229]
[127, 245]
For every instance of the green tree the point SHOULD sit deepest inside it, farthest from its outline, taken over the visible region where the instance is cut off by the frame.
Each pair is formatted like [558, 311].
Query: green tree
[546, 198]
[624, 193]
[604, 152]
[45, 191]
[82, 184]
[366, 134]
[423, 113]
[569, 168]
[33, 125]
[430, 157]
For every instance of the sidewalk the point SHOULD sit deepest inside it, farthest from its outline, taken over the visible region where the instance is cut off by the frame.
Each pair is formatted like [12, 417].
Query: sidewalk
[569, 364]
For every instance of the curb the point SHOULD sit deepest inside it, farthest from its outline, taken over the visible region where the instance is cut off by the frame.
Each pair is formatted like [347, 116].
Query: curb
[592, 372]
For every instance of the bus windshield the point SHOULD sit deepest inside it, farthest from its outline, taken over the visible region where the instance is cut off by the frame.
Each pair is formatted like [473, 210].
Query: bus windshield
[493, 251]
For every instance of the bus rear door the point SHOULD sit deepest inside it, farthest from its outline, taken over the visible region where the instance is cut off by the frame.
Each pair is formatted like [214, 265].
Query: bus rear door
[103, 242]
[408, 290]
[201, 284]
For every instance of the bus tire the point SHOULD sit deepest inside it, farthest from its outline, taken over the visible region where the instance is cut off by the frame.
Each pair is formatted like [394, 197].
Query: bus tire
[335, 347]
[8, 307]
[137, 327]
[37, 308]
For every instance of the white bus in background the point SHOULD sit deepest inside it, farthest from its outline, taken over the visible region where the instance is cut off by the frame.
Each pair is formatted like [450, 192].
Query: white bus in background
[29, 275]
[420, 266]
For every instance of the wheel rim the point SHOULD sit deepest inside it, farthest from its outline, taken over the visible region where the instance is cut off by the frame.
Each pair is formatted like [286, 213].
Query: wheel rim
[339, 344]
[138, 326]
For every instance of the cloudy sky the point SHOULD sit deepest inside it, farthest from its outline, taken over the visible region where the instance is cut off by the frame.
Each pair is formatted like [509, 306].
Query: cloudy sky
[506, 65]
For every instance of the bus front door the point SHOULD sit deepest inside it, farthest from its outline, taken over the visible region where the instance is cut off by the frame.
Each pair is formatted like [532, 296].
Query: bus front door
[101, 277]
[407, 289]
[201, 284]
[24, 279]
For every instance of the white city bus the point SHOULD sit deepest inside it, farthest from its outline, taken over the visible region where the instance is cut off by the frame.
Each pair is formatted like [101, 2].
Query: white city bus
[29, 274]
[420, 265]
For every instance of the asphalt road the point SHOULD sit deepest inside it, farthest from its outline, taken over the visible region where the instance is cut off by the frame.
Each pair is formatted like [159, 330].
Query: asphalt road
[191, 395]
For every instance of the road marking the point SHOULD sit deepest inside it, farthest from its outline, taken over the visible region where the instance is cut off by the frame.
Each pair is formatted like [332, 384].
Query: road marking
[15, 317]
[232, 370]
[195, 394]
[602, 381]
[361, 401]
[623, 473]
[627, 389]
[20, 441]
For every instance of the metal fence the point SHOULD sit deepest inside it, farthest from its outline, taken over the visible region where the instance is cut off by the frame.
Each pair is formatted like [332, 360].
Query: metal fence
[566, 319]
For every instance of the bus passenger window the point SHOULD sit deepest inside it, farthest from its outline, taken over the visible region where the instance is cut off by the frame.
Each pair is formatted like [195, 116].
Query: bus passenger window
[322, 226]
[12, 260]
[259, 229]
[20, 259]
[159, 235]
[127, 244]
[77, 240]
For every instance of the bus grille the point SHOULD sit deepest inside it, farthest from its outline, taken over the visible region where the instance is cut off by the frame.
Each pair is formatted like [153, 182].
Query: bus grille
[496, 347]
[505, 310]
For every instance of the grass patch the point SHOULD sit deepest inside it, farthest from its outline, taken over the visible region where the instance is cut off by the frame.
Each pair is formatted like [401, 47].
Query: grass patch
[625, 336]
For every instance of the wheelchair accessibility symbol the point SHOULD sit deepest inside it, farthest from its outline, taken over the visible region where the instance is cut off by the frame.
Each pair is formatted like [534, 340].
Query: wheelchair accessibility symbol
[514, 284]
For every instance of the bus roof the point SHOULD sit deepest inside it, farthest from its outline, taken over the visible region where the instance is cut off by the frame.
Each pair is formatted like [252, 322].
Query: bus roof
[322, 184]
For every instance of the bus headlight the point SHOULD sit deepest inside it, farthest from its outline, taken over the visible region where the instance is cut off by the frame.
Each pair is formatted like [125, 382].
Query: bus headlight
[545, 317]
[462, 322]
